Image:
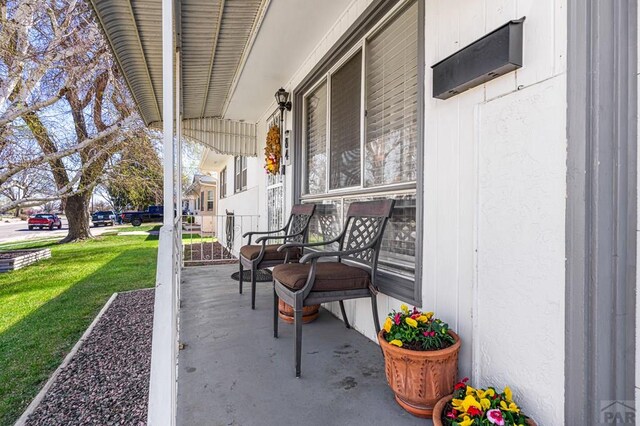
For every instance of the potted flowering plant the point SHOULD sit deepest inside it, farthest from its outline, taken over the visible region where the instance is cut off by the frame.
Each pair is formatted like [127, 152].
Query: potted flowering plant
[468, 406]
[421, 359]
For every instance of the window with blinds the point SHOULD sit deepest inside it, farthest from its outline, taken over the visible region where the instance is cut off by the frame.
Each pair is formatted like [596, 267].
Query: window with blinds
[316, 140]
[345, 124]
[368, 149]
[223, 183]
[392, 102]
[240, 181]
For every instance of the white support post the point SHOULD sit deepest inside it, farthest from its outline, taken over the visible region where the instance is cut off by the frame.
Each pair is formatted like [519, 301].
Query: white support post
[162, 384]
[178, 176]
[178, 140]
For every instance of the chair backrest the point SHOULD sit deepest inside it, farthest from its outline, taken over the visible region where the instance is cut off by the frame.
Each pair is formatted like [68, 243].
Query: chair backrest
[298, 224]
[365, 224]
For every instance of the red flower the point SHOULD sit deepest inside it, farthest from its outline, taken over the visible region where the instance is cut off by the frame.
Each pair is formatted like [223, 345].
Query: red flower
[414, 316]
[452, 414]
[397, 319]
[473, 411]
[461, 384]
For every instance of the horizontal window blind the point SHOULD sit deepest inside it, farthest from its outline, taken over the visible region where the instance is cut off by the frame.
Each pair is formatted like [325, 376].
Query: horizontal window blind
[346, 86]
[316, 140]
[391, 101]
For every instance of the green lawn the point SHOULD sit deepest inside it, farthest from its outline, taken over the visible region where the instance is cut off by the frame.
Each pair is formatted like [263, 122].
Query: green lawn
[45, 308]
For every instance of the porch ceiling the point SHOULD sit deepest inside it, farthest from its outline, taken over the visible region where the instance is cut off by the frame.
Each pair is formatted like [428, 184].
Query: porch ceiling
[214, 37]
[234, 55]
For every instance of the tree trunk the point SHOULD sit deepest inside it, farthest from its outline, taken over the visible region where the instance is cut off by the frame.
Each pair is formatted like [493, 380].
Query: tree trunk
[77, 211]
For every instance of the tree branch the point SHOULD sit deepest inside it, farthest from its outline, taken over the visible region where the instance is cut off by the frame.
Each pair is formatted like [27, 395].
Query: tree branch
[66, 152]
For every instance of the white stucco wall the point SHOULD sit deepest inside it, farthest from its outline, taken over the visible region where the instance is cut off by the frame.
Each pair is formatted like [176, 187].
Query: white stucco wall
[519, 333]
[494, 182]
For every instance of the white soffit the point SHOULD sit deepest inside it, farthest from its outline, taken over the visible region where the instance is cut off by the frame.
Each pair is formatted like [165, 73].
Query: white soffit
[133, 31]
[288, 34]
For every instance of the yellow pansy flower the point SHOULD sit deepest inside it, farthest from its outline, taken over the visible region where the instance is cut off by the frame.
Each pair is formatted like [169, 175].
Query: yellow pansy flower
[387, 324]
[511, 407]
[413, 323]
[422, 318]
[429, 315]
[508, 394]
[489, 393]
[466, 422]
[464, 404]
[470, 390]
[396, 342]
[404, 308]
[485, 403]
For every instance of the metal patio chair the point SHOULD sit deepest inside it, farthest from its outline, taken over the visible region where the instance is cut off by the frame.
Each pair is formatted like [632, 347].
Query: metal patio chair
[263, 255]
[311, 282]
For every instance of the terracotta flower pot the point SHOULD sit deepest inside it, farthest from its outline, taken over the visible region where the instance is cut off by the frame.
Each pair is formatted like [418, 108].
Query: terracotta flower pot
[439, 408]
[309, 313]
[420, 378]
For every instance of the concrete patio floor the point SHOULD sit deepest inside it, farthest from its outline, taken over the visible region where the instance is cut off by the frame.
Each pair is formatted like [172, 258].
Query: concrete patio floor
[233, 372]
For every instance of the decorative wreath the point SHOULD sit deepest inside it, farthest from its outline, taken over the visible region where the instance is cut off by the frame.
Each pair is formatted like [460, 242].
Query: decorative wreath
[272, 152]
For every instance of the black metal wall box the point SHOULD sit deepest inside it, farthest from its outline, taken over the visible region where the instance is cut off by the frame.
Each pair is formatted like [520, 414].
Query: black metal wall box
[491, 56]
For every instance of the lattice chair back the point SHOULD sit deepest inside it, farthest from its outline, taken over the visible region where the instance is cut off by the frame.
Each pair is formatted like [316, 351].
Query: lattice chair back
[299, 222]
[365, 225]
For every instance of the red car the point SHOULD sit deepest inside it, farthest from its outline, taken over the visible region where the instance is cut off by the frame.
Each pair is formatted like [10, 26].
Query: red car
[44, 220]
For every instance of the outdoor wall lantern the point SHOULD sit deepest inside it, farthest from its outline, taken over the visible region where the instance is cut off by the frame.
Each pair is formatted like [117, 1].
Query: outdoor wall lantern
[282, 98]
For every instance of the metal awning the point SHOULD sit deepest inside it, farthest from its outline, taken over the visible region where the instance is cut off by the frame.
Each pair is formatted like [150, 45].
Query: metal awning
[222, 136]
[213, 38]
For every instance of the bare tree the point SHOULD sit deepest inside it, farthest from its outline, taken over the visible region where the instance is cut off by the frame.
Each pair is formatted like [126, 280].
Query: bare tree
[25, 185]
[64, 109]
[135, 176]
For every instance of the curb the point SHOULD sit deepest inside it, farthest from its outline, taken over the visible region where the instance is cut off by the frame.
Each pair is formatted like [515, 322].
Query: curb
[40, 396]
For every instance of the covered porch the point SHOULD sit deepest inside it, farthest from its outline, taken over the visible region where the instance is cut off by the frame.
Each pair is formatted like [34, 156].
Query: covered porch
[233, 372]
[498, 201]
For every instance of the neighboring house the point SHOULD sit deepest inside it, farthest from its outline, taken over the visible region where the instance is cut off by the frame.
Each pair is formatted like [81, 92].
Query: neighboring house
[516, 199]
[201, 202]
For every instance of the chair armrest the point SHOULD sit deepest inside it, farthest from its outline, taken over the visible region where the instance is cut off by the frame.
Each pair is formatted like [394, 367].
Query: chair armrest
[321, 243]
[275, 237]
[246, 234]
[318, 254]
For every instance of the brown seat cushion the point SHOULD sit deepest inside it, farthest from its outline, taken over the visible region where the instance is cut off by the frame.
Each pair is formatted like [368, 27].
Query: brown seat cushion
[271, 252]
[330, 276]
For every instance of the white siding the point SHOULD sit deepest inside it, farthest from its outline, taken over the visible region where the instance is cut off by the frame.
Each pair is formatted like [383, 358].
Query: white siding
[458, 258]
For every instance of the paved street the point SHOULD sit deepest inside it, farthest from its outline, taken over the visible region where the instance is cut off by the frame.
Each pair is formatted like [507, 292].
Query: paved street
[18, 231]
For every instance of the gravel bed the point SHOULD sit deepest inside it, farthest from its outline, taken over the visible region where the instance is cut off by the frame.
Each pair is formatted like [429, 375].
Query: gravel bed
[204, 253]
[107, 380]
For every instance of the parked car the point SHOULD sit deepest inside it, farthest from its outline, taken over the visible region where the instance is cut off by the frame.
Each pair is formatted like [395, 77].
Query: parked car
[152, 214]
[44, 220]
[104, 218]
